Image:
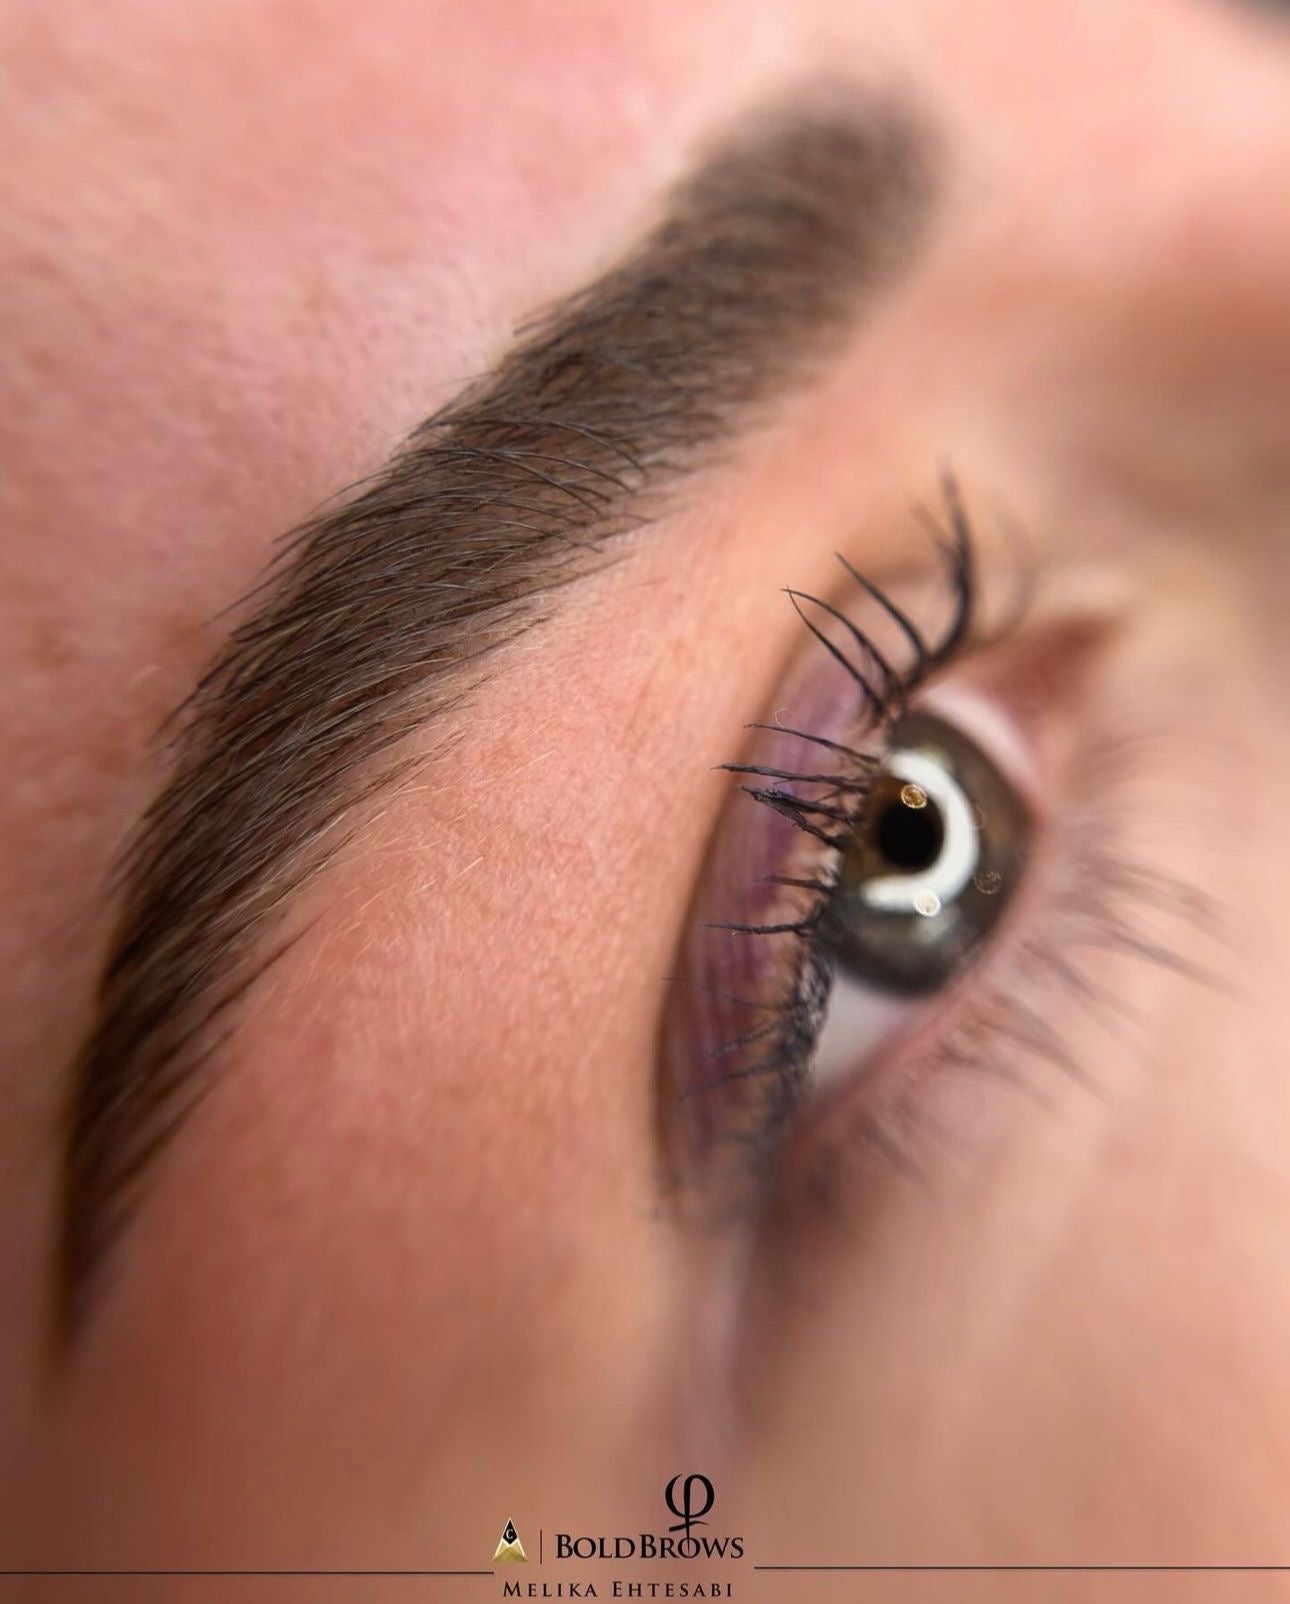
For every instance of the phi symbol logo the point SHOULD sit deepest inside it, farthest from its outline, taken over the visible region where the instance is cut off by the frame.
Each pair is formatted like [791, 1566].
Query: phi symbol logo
[693, 1488]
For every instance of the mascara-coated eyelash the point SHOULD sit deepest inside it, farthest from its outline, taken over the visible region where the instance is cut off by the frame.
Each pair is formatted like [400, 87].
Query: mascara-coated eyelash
[752, 992]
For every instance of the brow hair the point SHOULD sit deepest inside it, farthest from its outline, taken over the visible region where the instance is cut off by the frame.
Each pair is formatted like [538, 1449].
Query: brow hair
[371, 616]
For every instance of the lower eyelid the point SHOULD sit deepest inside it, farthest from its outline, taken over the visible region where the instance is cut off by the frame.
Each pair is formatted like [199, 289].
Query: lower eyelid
[1012, 1032]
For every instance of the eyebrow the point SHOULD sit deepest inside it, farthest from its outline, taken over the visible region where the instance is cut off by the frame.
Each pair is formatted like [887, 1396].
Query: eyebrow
[374, 618]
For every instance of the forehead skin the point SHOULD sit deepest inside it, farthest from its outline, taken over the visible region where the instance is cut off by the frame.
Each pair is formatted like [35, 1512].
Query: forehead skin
[408, 1274]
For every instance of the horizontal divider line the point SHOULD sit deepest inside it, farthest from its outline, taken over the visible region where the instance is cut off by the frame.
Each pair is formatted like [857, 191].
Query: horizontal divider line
[214, 1572]
[1026, 1568]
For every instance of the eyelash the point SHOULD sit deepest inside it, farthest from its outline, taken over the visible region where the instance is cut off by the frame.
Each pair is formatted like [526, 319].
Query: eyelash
[1099, 895]
[885, 692]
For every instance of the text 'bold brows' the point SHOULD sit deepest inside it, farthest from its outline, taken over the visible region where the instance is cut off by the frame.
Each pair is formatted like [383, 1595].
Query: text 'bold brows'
[371, 615]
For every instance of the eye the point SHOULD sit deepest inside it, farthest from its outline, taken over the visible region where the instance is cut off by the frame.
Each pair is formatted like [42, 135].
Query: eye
[938, 847]
[866, 857]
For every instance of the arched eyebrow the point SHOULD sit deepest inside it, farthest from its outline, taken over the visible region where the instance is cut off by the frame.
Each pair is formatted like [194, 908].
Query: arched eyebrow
[374, 617]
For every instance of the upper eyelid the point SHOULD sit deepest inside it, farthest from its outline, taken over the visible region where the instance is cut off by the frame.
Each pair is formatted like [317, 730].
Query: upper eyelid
[364, 628]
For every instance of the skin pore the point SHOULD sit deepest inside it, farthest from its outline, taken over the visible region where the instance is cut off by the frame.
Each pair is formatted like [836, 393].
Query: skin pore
[411, 1269]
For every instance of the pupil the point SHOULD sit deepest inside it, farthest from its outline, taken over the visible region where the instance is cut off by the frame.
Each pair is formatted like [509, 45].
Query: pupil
[910, 838]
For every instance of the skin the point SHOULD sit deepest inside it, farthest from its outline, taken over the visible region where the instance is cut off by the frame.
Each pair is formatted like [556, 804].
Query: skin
[410, 1272]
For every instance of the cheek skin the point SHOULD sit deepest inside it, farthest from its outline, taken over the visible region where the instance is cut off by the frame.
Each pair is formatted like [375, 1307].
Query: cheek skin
[1070, 1343]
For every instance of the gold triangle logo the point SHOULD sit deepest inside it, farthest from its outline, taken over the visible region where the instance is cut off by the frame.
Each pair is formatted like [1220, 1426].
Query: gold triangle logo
[510, 1551]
